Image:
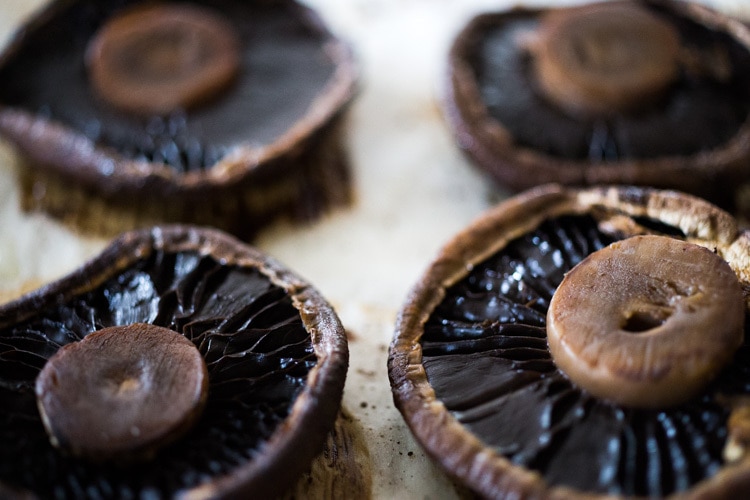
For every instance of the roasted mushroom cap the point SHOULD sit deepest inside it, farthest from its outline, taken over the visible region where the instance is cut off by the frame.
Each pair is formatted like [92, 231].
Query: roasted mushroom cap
[203, 142]
[275, 353]
[472, 373]
[576, 96]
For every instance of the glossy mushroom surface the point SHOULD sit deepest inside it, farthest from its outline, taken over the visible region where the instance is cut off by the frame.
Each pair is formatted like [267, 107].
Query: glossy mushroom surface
[267, 144]
[472, 374]
[690, 134]
[275, 352]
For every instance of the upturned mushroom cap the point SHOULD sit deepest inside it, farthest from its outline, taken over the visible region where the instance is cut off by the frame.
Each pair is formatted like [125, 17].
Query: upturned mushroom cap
[540, 95]
[473, 376]
[255, 144]
[275, 352]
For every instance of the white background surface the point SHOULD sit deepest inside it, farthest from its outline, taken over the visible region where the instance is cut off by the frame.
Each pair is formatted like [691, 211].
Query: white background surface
[414, 190]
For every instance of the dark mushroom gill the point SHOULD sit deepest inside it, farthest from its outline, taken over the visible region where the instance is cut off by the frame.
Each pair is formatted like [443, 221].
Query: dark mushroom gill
[257, 350]
[699, 113]
[485, 354]
[46, 76]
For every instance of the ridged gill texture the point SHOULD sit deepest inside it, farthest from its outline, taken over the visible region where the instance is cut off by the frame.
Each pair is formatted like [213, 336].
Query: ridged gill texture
[284, 68]
[485, 354]
[699, 112]
[256, 348]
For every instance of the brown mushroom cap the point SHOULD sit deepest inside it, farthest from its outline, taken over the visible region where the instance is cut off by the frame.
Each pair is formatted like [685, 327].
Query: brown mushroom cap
[122, 392]
[695, 138]
[267, 147]
[473, 377]
[275, 352]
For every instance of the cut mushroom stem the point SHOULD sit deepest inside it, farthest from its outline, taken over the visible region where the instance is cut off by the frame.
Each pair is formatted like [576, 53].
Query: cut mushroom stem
[737, 446]
[646, 322]
[601, 59]
[122, 392]
[158, 58]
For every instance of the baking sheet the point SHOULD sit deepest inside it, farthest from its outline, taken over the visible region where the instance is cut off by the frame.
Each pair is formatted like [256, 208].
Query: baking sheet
[414, 190]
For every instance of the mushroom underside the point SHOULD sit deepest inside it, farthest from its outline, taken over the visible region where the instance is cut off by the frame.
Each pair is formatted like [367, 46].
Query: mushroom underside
[256, 348]
[485, 354]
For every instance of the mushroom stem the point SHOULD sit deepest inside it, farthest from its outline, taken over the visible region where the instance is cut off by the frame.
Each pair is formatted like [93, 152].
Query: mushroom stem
[601, 59]
[738, 427]
[156, 59]
[628, 322]
[122, 392]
